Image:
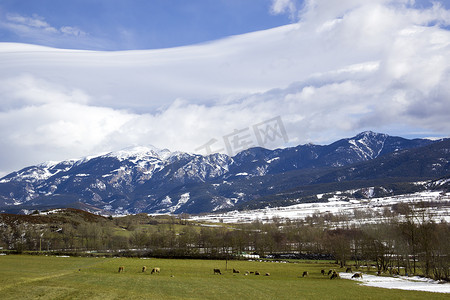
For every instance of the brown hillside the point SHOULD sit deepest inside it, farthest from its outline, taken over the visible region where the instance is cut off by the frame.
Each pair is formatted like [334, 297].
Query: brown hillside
[58, 216]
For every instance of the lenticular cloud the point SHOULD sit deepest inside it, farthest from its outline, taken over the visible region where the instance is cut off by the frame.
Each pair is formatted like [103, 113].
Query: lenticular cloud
[379, 65]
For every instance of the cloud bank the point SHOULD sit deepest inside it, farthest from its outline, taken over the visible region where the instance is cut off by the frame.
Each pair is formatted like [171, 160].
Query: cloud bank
[378, 65]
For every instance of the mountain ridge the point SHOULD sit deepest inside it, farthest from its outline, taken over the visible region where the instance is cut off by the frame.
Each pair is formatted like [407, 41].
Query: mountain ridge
[147, 179]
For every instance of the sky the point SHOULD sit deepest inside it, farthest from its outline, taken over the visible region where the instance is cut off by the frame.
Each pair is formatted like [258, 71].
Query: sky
[82, 77]
[133, 24]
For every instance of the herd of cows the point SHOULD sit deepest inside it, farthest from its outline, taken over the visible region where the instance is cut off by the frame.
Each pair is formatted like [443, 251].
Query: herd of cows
[144, 268]
[333, 273]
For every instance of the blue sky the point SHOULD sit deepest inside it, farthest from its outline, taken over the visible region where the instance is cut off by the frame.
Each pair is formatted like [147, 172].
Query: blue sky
[138, 24]
[327, 69]
[141, 24]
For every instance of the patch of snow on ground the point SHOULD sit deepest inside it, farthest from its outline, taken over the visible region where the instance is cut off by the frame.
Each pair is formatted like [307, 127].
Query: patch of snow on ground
[401, 282]
[335, 205]
[51, 211]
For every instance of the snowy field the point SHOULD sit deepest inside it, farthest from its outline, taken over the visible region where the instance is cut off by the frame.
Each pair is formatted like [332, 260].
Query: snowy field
[401, 282]
[439, 209]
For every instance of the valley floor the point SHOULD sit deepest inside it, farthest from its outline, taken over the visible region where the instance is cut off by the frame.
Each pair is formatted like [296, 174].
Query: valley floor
[51, 277]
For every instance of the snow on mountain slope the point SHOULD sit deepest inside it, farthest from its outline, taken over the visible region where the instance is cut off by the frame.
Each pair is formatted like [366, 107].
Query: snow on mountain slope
[140, 153]
[147, 179]
[41, 172]
[368, 144]
[141, 156]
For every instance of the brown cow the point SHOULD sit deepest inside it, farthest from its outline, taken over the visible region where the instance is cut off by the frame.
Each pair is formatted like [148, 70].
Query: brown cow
[217, 271]
[144, 268]
[305, 274]
[121, 269]
[235, 271]
[357, 275]
[156, 270]
[335, 275]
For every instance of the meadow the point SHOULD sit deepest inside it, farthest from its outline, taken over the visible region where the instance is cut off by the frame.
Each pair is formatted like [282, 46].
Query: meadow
[52, 277]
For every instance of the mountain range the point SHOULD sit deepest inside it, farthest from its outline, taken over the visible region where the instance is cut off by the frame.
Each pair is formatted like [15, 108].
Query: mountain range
[151, 180]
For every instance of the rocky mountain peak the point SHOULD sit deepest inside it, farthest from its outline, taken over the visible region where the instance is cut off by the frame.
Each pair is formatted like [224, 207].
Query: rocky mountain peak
[140, 152]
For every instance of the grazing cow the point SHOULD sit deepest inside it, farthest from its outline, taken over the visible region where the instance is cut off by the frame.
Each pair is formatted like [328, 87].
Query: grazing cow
[267, 274]
[357, 275]
[349, 270]
[329, 272]
[322, 272]
[256, 273]
[217, 271]
[305, 274]
[335, 275]
[235, 271]
[144, 268]
[156, 270]
[121, 269]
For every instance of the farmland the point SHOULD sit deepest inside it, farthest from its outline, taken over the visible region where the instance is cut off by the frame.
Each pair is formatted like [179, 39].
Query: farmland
[52, 277]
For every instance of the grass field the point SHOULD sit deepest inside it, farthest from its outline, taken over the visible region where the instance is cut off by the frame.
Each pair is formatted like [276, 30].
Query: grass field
[50, 277]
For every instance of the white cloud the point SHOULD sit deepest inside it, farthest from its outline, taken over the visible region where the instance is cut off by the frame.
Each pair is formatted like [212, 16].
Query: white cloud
[37, 29]
[29, 23]
[285, 6]
[342, 69]
[75, 31]
[26, 90]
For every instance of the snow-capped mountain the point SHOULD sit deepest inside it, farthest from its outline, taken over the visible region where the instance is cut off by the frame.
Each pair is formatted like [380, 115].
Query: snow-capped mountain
[146, 179]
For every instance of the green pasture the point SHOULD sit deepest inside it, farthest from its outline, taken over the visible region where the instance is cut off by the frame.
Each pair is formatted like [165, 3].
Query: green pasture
[50, 277]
